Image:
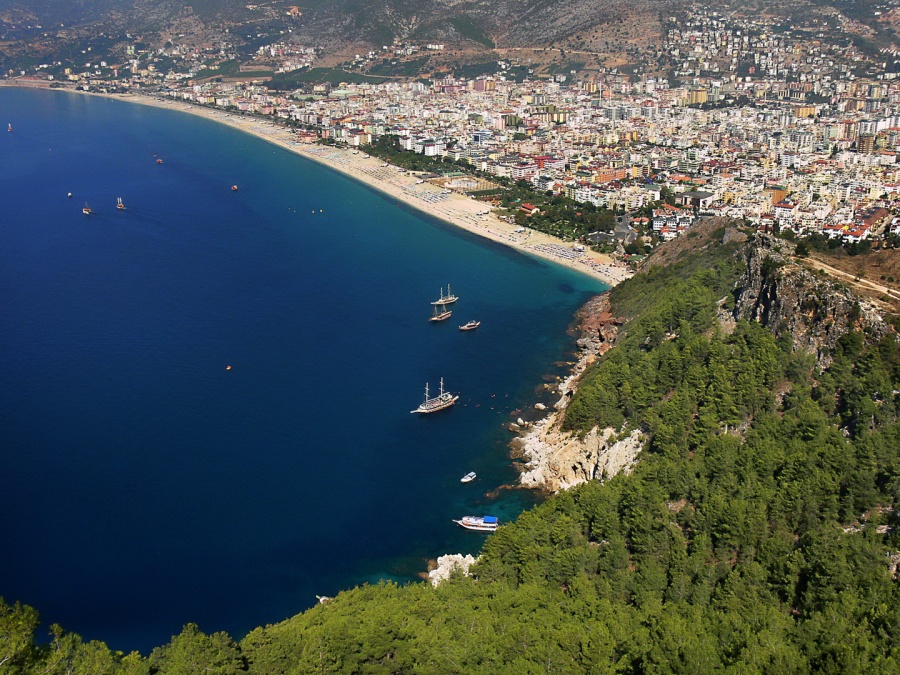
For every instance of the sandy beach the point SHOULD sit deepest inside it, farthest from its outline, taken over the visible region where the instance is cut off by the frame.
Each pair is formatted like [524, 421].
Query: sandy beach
[435, 200]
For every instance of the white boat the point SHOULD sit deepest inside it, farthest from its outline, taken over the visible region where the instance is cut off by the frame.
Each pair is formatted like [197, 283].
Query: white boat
[119, 204]
[478, 523]
[445, 299]
[440, 313]
[444, 399]
[86, 210]
[471, 325]
[468, 478]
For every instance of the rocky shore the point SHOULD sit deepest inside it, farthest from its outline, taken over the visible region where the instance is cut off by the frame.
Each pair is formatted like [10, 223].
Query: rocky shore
[556, 459]
[446, 565]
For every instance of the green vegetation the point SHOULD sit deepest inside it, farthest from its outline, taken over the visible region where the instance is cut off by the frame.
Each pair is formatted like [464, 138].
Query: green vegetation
[472, 71]
[566, 68]
[332, 76]
[755, 534]
[557, 215]
[400, 69]
[471, 29]
[224, 69]
[640, 381]
[388, 148]
[714, 269]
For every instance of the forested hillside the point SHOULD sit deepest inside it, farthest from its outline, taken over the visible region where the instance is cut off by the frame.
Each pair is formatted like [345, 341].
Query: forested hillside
[756, 534]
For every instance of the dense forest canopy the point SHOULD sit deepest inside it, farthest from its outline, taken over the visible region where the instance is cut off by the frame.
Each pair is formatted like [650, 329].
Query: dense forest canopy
[757, 533]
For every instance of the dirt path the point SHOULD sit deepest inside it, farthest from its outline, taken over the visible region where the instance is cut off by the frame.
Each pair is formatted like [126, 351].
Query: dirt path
[861, 284]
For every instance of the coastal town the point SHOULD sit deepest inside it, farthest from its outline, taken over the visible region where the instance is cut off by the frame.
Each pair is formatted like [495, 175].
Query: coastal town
[791, 129]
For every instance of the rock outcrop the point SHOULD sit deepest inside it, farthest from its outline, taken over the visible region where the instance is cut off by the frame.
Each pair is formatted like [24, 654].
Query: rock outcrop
[785, 297]
[448, 564]
[557, 460]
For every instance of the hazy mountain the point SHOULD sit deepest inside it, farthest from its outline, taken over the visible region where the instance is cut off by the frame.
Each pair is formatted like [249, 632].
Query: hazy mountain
[485, 22]
[619, 33]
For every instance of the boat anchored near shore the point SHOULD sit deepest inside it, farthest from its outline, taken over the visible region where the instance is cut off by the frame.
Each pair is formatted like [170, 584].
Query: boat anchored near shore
[445, 299]
[444, 399]
[440, 313]
[478, 523]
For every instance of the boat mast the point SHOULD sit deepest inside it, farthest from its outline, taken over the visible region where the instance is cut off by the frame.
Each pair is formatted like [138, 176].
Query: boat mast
[426, 392]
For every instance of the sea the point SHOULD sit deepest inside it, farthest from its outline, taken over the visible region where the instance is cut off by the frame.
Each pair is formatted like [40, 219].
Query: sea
[205, 397]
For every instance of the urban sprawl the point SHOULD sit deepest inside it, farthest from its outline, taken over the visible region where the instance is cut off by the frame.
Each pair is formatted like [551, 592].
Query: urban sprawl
[776, 127]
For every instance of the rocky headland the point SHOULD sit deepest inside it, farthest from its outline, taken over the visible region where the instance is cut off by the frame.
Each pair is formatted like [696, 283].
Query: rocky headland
[776, 289]
[556, 459]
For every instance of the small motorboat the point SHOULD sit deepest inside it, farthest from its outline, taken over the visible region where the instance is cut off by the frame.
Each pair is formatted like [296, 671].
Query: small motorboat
[468, 478]
[479, 523]
[234, 188]
[470, 325]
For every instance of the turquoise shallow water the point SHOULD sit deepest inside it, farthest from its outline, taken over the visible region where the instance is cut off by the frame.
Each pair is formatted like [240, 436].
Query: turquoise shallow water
[143, 485]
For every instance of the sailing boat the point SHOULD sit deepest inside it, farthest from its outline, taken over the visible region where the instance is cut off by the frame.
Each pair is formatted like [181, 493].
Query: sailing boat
[119, 204]
[440, 313]
[444, 399]
[86, 210]
[445, 299]
[9, 127]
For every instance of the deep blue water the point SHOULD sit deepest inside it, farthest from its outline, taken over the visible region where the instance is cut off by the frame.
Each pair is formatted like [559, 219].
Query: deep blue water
[143, 485]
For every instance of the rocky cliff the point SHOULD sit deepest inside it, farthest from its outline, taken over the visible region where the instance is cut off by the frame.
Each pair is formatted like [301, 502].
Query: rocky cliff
[788, 298]
[775, 289]
[556, 459]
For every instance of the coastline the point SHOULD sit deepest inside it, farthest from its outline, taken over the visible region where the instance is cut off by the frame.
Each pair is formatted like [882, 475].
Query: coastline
[556, 459]
[453, 208]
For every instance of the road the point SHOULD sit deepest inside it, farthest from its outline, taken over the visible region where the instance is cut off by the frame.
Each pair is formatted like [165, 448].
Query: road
[859, 283]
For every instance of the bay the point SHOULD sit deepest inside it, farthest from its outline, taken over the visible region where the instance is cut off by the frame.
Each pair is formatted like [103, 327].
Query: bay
[144, 483]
